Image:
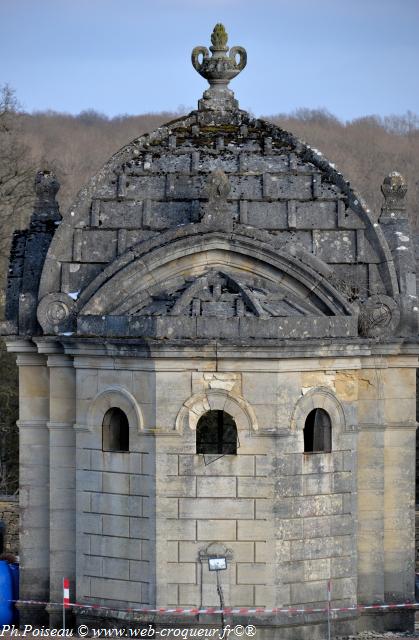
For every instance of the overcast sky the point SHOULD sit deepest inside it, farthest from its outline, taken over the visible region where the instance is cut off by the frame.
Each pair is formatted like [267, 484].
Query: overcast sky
[353, 57]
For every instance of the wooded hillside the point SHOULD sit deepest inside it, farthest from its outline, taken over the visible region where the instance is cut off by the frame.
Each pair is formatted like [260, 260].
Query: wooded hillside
[364, 150]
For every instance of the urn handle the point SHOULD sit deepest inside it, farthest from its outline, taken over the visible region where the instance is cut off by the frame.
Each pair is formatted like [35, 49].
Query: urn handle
[197, 65]
[241, 52]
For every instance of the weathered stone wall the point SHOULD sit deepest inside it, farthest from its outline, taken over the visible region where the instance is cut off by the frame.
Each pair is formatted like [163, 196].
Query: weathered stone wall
[115, 494]
[285, 516]
[9, 516]
[288, 521]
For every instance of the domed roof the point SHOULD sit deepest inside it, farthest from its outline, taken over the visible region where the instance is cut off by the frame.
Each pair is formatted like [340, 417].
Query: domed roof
[216, 225]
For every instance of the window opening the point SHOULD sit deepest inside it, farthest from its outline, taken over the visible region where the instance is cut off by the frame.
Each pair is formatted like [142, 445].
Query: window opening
[115, 430]
[317, 432]
[216, 433]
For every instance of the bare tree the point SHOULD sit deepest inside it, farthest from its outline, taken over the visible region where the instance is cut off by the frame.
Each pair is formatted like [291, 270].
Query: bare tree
[16, 175]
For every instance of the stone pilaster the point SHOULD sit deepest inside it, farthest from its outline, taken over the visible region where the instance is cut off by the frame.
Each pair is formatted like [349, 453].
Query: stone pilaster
[370, 514]
[370, 489]
[34, 479]
[399, 512]
[62, 478]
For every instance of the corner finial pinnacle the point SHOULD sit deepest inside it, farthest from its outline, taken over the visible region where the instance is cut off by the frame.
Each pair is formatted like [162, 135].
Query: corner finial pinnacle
[219, 69]
[394, 190]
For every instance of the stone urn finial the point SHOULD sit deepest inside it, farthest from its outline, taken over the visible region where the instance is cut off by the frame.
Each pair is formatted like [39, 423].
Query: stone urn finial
[394, 189]
[219, 69]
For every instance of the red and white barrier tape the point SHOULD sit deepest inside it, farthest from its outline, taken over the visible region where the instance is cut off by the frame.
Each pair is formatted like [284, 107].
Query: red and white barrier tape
[230, 610]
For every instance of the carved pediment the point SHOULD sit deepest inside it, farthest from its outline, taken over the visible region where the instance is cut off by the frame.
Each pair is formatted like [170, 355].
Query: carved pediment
[224, 295]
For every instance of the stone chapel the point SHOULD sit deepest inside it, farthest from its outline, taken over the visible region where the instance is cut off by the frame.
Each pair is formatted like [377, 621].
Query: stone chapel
[217, 347]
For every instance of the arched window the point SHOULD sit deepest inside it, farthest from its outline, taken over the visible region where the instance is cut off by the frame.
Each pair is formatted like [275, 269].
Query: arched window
[216, 432]
[317, 432]
[115, 430]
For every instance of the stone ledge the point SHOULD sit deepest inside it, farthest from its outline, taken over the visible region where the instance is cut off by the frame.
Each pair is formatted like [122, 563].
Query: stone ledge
[208, 327]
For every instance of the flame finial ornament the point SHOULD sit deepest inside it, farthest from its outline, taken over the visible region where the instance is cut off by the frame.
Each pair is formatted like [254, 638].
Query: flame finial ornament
[219, 68]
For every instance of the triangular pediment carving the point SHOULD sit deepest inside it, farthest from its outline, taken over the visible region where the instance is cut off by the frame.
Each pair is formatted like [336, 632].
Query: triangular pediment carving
[224, 295]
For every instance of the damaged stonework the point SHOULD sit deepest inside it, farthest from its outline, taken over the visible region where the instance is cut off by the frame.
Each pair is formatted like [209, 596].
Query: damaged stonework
[28, 251]
[217, 349]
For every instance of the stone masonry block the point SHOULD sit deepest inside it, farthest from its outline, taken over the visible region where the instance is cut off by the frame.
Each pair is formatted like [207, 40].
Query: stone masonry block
[115, 525]
[316, 527]
[172, 594]
[343, 567]
[316, 569]
[116, 483]
[139, 570]
[140, 527]
[92, 566]
[267, 215]
[318, 463]
[116, 504]
[282, 551]
[116, 568]
[116, 462]
[181, 572]
[343, 588]
[222, 487]
[292, 572]
[263, 508]
[288, 465]
[265, 595]
[317, 484]
[189, 551]
[189, 595]
[225, 466]
[172, 550]
[335, 246]
[264, 465]
[304, 593]
[226, 508]
[181, 529]
[98, 245]
[321, 547]
[254, 530]
[167, 507]
[141, 485]
[253, 573]
[241, 595]
[317, 506]
[342, 525]
[249, 488]
[263, 552]
[316, 215]
[221, 530]
[291, 529]
[121, 590]
[91, 523]
[183, 486]
[115, 547]
[289, 486]
[342, 482]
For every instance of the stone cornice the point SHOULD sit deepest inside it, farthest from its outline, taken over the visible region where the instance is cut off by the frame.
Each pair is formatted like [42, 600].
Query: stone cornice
[20, 345]
[60, 360]
[59, 426]
[38, 424]
[393, 426]
[31, 359]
